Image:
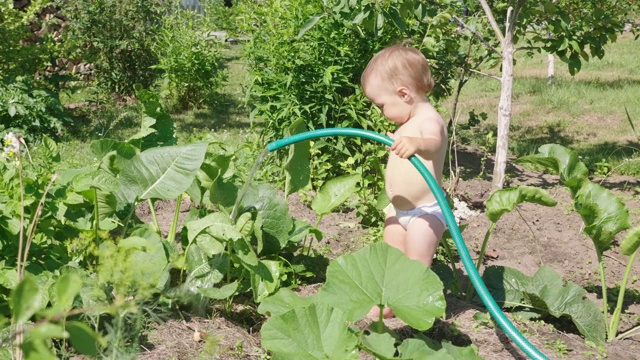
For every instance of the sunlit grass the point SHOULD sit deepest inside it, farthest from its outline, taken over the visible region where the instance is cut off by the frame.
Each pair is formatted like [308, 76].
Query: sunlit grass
[585, 113]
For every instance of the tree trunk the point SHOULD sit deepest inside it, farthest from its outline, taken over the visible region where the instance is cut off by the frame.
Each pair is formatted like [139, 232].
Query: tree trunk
[551, 68]
[504, 107]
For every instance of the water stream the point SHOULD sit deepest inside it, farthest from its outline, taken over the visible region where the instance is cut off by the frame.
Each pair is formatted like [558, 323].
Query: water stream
[245, 187]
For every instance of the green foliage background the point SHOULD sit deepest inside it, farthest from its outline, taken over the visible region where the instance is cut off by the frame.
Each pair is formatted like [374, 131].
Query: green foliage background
[314, 75]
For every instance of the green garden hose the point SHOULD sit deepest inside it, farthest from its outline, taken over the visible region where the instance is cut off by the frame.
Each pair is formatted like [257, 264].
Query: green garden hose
[474, 276]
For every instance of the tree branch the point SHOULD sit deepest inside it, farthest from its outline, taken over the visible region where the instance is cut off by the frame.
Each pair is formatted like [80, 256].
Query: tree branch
[477, 35]
[526, 48]
[492, 20]
[483, 74]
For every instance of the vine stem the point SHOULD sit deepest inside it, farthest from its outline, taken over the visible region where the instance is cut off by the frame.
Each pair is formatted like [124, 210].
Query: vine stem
[627, 334]
[126, 222]
[153, 215]
[605, 305]
[19, 327]
[312, 236]
[174, 225]
[96, 212]
[447, 249]
[34, 221]
[483, 248]
[615, 318]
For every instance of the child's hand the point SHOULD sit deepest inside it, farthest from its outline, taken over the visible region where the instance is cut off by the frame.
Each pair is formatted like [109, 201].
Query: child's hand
[392, 136]
[405, 146]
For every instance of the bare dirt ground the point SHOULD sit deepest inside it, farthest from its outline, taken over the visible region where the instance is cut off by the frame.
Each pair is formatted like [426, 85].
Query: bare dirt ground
[524, 239]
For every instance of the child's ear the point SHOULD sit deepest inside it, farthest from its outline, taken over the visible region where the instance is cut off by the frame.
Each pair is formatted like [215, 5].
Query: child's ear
[404, 93]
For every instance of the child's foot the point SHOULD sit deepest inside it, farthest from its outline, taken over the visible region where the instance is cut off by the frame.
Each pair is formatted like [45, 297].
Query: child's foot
[374, 313]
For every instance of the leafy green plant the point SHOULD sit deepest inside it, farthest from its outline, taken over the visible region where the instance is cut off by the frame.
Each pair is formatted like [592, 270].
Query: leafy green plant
[354, 284]
[190, 61]
[30, 110]
[23, 52]
[546, 293]
[30, 298]
[43, 282]
[603, 213]
[117, 38]
[306, 66]
[504, 201]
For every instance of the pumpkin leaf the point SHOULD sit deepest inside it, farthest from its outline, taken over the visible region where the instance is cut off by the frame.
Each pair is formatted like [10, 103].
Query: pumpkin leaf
[357, 282]
[334, 192]
[317, 331]
[505, 200]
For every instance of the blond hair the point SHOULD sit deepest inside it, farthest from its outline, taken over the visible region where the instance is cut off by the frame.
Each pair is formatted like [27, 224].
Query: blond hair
[399, 65]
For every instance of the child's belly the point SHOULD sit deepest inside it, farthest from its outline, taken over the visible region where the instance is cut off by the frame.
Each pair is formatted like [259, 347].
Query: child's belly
[405, 187]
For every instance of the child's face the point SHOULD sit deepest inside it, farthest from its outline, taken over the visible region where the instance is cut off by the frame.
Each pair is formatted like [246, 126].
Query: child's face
[392, 103]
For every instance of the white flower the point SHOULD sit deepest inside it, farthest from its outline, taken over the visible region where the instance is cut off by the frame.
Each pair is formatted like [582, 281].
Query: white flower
[11, 144]
[461, 210]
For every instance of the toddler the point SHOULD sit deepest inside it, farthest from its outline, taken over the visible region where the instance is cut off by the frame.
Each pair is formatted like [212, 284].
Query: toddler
[397, 80]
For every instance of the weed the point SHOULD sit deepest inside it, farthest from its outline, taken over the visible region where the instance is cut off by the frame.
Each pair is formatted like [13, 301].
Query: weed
[558, 346]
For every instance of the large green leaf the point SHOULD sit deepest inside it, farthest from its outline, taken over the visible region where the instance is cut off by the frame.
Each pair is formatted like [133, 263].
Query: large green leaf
[215, 166]
[420, 349]
[24, 300]
[223, 192]
[204, 272]
[282, 301]
[44, 281]
[357, 282]
[273, 209]
[546, 293]
[113, 154]
[263, 286]
[317, 331]
[46, 331]
[135, 263]
[334, 192]
[561, 161]
[297, 170]
[83, 338]
[160, 173]
[66, 288]
[221, 293]
[503, 201]
[158, 129]
[380, 344]
[217, 225]
[97, 179]
[602, 212]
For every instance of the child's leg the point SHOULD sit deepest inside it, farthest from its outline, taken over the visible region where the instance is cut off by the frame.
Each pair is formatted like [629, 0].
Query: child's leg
[422, 238]
[394, 235]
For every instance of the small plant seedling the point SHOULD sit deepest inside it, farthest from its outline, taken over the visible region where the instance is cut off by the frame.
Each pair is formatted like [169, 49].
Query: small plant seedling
[558, 346]
[483, 320]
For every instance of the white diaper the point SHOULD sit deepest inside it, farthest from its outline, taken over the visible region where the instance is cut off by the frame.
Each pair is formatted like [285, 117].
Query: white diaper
[405, 217]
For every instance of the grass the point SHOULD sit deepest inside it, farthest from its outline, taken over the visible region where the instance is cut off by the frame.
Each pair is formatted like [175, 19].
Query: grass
[226, 121]
[585, 113]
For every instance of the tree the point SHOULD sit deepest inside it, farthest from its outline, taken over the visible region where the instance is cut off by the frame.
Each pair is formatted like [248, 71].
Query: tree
[574, 30]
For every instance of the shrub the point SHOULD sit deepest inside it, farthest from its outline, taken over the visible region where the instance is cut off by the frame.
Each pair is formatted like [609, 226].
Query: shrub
[23, 53]
[190, 60]
[116, 37]
[30, 110]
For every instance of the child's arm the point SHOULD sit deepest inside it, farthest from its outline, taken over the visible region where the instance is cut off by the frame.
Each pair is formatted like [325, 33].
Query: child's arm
[429, 141]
